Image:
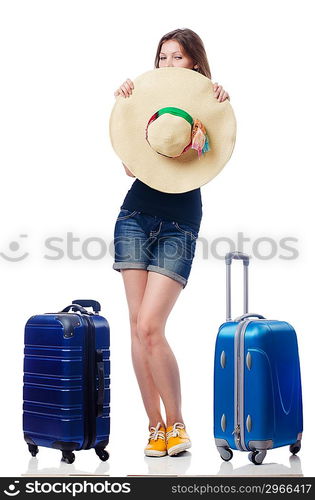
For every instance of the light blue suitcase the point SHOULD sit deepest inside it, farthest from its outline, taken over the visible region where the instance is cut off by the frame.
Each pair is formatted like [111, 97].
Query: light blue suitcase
[257, 384]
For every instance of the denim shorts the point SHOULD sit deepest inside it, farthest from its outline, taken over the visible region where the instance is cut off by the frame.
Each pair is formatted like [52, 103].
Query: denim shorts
[144, 241]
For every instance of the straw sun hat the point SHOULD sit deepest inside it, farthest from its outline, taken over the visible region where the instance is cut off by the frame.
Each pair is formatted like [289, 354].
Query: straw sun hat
[172, 133]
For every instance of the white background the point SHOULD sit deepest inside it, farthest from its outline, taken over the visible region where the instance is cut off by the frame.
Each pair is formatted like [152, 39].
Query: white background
[60, 63]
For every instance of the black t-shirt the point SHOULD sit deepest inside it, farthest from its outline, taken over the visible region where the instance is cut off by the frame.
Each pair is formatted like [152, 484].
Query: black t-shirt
[183, 208]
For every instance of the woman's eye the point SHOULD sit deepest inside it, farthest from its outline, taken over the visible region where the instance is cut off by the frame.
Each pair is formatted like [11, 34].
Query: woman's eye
[178, 57]
[162, 57]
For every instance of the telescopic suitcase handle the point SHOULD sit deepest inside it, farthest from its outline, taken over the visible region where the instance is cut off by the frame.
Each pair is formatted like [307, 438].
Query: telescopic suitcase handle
[96, 306]
[228, 260]
[238, 256]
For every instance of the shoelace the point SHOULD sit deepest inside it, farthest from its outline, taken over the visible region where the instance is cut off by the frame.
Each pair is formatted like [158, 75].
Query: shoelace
[175, 431]
[155, 433]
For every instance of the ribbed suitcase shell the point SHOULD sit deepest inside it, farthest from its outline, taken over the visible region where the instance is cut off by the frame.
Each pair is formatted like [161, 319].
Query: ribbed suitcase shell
[266, 371]
[60, 382]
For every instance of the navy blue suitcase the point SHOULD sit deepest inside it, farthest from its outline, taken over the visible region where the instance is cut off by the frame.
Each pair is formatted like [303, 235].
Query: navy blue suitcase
[66, 391]
[257, 383]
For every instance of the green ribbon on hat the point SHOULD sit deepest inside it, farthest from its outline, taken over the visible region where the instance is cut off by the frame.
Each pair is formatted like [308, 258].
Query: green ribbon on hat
[176, 112]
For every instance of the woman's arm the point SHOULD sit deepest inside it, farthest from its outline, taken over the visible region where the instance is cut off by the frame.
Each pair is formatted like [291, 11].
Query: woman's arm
[128, 171]
[125, 90]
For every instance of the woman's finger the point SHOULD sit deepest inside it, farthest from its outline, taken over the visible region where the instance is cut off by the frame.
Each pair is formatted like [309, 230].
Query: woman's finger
[220, 98]
[122, 92]
[217, 92]
[130, 83]
[127, 89]
[126, 84]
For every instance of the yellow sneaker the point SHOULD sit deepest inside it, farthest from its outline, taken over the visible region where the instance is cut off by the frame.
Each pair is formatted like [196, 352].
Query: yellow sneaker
[156, 446]
[177, 439]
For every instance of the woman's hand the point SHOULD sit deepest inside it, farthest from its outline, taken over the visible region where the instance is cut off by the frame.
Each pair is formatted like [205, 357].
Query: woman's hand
[220, 93]
[128, 171]
[125, 90]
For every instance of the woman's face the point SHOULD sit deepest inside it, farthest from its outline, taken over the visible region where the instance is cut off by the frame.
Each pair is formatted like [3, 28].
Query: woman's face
[173, 54]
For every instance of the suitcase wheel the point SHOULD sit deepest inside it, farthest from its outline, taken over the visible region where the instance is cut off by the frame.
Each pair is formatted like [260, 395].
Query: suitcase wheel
[68, 457]
[225, 453]
[33, 449]
[257, 456]
[295, 448]
[102, 454]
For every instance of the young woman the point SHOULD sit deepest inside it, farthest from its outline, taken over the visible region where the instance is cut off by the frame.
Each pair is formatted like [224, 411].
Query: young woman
[152, 281]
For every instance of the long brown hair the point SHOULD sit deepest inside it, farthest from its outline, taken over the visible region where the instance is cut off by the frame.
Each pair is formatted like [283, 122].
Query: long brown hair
[193, 46]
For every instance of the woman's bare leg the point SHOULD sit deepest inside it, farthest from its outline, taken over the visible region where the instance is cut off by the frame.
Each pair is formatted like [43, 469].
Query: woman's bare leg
[135, 281]
[160, 295]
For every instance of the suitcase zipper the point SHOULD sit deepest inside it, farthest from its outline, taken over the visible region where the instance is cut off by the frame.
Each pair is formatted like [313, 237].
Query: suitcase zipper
[238, 432]
[89, 401]
[237, 435]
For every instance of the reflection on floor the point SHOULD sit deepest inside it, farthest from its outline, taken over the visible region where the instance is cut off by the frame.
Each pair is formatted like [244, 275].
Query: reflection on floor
[176, 465]
[64, 470]
[173, 466]
[265, 469]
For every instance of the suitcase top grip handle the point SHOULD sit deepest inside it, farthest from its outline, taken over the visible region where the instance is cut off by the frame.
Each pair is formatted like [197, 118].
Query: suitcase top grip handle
[249, 315]
[238, 256]
[76, 307]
